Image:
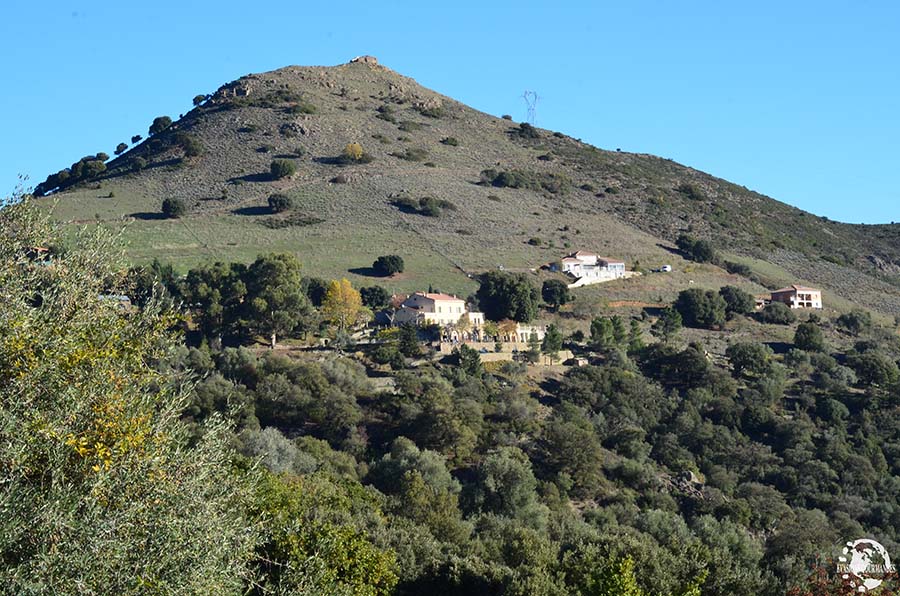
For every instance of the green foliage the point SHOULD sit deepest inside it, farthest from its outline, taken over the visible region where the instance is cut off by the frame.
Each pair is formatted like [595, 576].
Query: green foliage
[96, 454]
[275, 303]
[526, 131]
[856, 321]
[427, 206]
[502, 295]
[690, 191]
[701, 308]
[413, 154]
[667, 326]
[748, 357]
[808, 337]
[555, 293]
[553, 341]
[388, 265]
[738, 269]
[776, 313]
[451, 141]
[549, 182]
[282, 168]
[174, 207]
[469, 361]
[695, 249]
[121, 148]
[160, 123]
[737, 301]
[375, 297]
[279, 203]
[191, 146]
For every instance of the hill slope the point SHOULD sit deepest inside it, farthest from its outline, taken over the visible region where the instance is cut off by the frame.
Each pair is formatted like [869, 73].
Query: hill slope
[422, 144]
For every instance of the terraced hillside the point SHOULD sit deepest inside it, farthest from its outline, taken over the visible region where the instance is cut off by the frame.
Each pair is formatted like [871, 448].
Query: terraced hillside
[504, 194]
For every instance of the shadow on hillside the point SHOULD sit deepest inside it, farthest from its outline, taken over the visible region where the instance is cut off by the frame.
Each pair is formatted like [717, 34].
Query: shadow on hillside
[263, 177]
[366, 271]
[255, 210]
[669, 249]
[779, 347]
[148, 215]
[329, 161]
[653, 311]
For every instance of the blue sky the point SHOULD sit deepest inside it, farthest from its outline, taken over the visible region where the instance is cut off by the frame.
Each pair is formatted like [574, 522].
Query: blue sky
[798, 100]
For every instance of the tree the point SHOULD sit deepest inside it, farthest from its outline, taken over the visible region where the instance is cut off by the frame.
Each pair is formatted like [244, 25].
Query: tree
[737, 301]
[635, 337]
[505, 485]
[96, 451]
[275, 303]
[553, 341]
[555, 293]
[173, 208]
[342, 305]
[469, 361]
[375, 297]
[856, 321]
[136, 139]
[667, 325]
[749, 357]
[199, 99]
[282, 168]
[354, 153]
[776, 313]
[700, 251]
[121, 148]
[874, 368]
[602, 336]
[701, 308]
[808, 337]
[504, 295]
[388, 265]
[279, 203]
[160, 124]
[534, 349]
[408, 341]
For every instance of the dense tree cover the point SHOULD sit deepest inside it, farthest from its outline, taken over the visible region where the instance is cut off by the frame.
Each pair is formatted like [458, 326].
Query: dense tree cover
[503, 295]
[555, 293]
[160, 123]
[777, 313]
[737, 301]
[659, 470]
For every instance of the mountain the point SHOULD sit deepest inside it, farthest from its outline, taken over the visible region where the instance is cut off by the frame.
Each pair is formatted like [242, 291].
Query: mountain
[512, 195]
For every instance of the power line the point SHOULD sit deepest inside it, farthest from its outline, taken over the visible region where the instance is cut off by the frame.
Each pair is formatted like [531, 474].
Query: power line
[531, 99]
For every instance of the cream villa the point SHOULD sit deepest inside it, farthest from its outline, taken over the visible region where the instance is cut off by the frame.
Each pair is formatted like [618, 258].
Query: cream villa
[423, 308]
[588, 268]
[798, 297]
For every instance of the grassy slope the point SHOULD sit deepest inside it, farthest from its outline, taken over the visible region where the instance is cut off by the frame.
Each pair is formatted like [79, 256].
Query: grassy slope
[636, 220]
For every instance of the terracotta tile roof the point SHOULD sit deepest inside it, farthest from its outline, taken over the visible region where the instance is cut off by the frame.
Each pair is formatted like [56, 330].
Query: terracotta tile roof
[795, 288]
[608, 260]
[439, 296]
[581, 253]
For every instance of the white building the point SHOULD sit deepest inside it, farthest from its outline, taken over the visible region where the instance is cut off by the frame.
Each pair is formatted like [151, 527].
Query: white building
[423, 308]
[588, 268]
[798, 297]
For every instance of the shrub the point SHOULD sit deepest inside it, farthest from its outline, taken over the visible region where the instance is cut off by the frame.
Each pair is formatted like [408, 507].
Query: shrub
[506, 117]
[173, 207]
[450, 141]
[749, 357]
[198, 99]
[550, 182]
[690, 191]
[413, 154]
[353, 154]
[136, 139]
[776, 314]
[301, 107]
[121, 148]
[737, 301]
[809, 338]
[386, 113]
[738, 269]
[856, 321]
[432, 111]
[279, 202]
[160, 124]
[138, 164]
[555, 293]
[700, 251]
[535, 241]
[701, 308]
[282, 168]
[191, 146]
[409, 126]
[527, 131]
[388, 265]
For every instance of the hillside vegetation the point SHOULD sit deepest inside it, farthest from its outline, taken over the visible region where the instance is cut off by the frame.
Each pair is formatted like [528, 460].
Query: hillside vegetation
[356, 145]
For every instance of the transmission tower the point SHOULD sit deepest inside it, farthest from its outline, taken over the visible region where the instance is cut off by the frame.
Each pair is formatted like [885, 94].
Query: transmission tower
[531, 99]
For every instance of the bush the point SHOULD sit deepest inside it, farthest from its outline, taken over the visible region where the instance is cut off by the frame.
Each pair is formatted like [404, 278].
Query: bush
[386, 113]
[550, 182]
[160, 124]
[279, 202]
[700, 251]
[737, 301]
[738, 269]
[138, 164]
[690, 191]
[409, 126]
[527, 131]
[506, 117]
[555, 293]
[856, 321]
[191, 146]
[173, 207]
[388, 265]
[136, 139]
[413, 154]
[504, 295]
[701, 308]
[432, 111]
[808, 337]
[121, 148]
[776, 314]
[353, 154]
[282, 168]
[375, 297]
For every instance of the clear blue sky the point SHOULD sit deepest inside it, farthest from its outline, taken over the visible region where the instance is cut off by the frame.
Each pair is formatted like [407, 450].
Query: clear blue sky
[795, 99]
